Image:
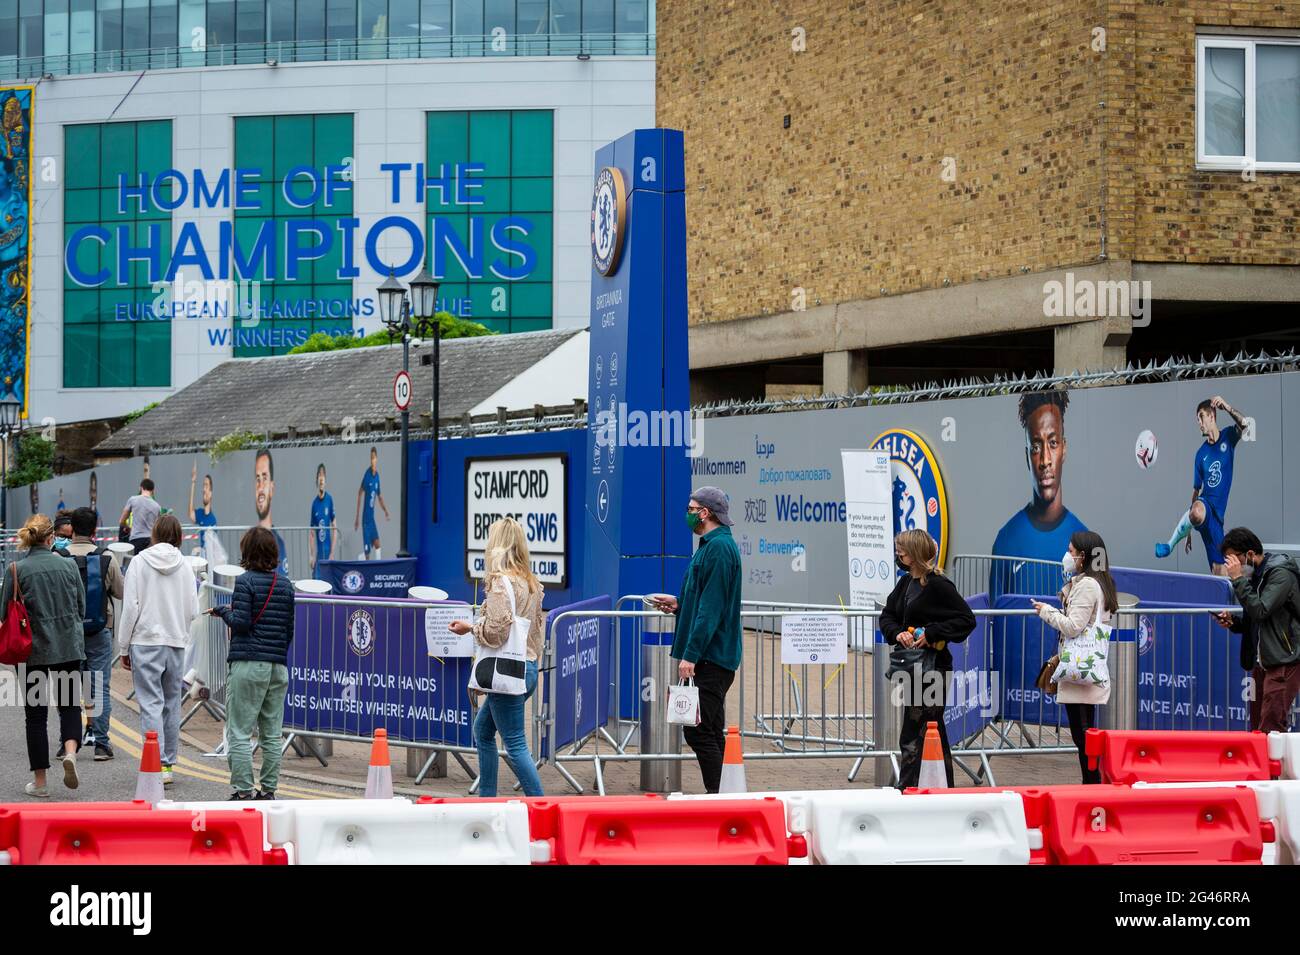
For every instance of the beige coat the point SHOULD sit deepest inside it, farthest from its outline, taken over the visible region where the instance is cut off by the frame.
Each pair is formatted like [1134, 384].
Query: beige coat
[494, 629]
[1081, 597]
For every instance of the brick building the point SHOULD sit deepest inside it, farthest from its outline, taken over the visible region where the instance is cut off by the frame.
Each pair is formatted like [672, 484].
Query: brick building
[884, 193]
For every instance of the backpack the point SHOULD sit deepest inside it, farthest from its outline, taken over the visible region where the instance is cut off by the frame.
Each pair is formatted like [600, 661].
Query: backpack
[93, 577]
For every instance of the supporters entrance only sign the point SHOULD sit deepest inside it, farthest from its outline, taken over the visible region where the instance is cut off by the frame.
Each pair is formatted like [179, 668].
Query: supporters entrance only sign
[532, 491]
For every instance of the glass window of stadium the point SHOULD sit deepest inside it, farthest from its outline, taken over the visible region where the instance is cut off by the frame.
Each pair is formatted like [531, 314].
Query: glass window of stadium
[84, 36]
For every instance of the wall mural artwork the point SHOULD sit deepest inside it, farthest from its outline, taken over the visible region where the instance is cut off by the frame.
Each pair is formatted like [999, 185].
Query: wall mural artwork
[15, 239]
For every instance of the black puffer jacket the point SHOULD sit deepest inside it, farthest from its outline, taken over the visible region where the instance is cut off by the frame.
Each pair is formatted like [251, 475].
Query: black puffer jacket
[268, 639]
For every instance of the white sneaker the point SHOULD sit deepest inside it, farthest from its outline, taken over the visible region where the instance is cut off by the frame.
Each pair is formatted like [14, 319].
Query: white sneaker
[38, 792]
[70, 778]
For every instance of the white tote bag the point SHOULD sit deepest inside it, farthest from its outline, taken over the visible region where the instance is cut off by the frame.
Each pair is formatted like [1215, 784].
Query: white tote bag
[1083, 658]
[502, 669]
[684, 704]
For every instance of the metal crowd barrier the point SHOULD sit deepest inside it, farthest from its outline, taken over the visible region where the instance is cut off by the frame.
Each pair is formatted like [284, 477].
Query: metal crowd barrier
[985, 573]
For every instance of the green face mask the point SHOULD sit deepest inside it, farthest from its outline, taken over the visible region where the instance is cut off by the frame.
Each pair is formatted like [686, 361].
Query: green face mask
[692, 519]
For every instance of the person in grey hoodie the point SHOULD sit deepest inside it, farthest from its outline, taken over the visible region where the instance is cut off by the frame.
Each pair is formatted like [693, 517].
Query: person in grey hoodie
[159, 602]
[1268, 587]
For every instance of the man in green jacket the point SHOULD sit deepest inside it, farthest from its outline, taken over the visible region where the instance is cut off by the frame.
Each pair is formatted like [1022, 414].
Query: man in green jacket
[707, 637]
[1268, 587]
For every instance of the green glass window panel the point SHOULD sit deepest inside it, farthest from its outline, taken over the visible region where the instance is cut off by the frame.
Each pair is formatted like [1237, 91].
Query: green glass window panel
[164, 193]
[449, 295]
[328, 265]
[448, 138]
[81, 205]
[541, 238]
[484, 296]
[109, 301]
[117, 354]
[81, 156]
[531, 195]
[246, 231]
[495, 194]
[254, 143]
[531, 300]
[117, 151]
[108, 214]
[530, 324]
[340, 292]
[153, 354]
[293, 139]
[89, 253]
[494, 324]
[332, 140]
[80, 356]
[489, 142]
[260, 201]
[153, 146]
[340, 202]
[531, 143]
[81, 308]
[289, 335]
[283, 208]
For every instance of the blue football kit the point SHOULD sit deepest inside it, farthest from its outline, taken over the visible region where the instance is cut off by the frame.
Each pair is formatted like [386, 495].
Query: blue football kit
[322, 520]
[1212, 477]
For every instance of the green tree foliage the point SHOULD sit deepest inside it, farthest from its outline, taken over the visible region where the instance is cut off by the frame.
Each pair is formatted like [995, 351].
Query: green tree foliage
[33, 462]
[452, 327]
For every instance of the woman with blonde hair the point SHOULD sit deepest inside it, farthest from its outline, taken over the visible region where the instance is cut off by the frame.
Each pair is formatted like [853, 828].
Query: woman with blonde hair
[50, 587]
[508, 566]
[922, 616]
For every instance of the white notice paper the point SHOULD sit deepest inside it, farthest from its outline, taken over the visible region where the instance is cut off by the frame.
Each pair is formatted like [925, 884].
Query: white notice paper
[442, 642]
[869, 521]
[814, 638]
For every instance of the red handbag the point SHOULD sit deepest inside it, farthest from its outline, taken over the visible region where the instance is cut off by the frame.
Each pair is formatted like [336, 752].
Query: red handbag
[16, 630]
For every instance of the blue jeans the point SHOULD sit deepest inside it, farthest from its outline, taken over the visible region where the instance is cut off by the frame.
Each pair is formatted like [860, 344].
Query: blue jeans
[505, 715]
[98, 675]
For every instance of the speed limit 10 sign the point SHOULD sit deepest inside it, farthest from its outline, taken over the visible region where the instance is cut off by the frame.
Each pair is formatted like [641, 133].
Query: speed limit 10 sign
[402, 391]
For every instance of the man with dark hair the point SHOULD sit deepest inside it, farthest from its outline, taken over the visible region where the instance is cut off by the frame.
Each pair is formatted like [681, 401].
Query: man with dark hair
[1211, 482]
[324, 521]
[1041, 529]
[369, 494]
[202, 516]
[263, 492]
[100, 572]
[142, 511]
[1269, 626]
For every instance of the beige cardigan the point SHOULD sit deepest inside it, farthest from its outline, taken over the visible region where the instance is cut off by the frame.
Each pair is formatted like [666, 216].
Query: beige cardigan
[494, 629]
[1081, 597]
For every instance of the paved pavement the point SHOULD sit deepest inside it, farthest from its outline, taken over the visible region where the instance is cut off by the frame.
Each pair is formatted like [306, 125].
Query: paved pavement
[195, 777]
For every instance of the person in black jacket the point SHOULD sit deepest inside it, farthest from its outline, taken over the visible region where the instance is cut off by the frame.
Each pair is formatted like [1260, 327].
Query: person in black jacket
[924, 612]
[260, 617]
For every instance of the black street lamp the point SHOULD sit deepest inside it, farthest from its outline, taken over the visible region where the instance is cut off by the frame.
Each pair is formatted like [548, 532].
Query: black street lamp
[402, 316]
[10, 411]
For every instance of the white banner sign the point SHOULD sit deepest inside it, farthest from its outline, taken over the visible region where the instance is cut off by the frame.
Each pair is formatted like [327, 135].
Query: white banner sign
[868, 519]
[531, 490]
[814, 638]
[441, 641]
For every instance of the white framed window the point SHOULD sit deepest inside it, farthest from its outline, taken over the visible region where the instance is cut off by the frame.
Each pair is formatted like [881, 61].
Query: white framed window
[1248, 103]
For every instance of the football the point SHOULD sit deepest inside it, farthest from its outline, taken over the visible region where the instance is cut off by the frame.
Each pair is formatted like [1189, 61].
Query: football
[1146, 450]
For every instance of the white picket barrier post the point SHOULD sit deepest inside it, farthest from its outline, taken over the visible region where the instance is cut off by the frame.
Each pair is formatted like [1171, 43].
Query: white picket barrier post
[1285, 748]
[1279, 805]
[397, 832]
[874, 827]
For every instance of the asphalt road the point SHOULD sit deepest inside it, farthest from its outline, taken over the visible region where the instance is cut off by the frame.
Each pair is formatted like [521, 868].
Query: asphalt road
[196, 777]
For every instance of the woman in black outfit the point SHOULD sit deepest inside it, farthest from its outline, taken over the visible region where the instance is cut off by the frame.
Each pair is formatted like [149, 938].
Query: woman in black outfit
[925, 612]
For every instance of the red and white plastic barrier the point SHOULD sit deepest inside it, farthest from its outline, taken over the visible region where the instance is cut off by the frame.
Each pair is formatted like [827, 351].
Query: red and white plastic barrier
[1179, 756]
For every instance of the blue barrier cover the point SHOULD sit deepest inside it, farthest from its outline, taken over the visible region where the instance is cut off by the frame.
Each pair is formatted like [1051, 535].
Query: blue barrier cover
[584, 676]
[355, 667]
[369, 578]
[1188, 673]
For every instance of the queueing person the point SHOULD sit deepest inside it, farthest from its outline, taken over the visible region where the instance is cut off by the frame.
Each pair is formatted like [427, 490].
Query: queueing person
[924, 612]
[1268, 588]
[100, 573]
[159, 602]
[1089, 598]
[260, 617]
[49, 587]
[508, 565]
[706, 638]
[139, 515]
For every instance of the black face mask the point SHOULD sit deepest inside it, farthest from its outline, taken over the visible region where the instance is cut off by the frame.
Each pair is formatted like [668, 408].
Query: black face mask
[898, 562]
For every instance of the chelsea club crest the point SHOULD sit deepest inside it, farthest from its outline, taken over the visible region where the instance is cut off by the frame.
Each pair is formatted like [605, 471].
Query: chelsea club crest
[608, 219]
[919, 498]
[361, 632]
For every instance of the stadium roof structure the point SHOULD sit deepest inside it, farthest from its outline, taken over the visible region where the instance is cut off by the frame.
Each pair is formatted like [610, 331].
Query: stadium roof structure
[323, 393]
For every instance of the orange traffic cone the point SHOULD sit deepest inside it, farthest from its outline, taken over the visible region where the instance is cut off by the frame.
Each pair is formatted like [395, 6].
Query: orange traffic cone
[149, 784]
[934, 775]
[733, 764]
[379, 780]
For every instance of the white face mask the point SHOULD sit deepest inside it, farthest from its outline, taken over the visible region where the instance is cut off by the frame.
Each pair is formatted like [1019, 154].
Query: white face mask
[1069, 565]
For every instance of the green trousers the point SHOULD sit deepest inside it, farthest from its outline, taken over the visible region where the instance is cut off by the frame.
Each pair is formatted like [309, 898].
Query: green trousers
[255, 701]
